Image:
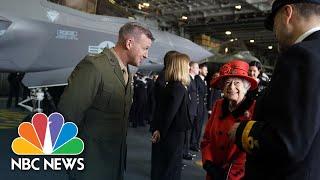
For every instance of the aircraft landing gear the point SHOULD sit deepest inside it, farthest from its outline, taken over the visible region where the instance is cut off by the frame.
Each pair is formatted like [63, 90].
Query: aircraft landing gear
[36, 98]
[42, 99]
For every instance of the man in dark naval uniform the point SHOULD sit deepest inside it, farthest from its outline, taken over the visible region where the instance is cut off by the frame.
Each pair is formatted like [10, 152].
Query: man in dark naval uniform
[139, 102]
[202, 110]
[192, 108]
[283, 141]
[98, 99]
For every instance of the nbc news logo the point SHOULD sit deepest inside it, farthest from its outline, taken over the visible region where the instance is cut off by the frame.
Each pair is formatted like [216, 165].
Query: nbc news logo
[47, 136]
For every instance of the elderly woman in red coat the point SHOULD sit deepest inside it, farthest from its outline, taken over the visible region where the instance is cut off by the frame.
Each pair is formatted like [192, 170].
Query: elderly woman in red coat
[221, 158]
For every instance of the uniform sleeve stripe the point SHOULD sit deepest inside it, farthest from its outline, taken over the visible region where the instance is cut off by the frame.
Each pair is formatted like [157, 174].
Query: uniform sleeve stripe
[245, 136]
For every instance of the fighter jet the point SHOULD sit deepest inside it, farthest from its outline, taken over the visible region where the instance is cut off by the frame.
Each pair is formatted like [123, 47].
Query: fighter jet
[47, 40]
[244, 55]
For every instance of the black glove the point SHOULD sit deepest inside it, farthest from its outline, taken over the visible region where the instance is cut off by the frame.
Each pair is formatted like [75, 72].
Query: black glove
[218, 173]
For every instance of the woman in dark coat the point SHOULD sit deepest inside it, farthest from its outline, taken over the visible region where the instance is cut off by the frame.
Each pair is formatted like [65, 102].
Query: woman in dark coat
[221, 158]
[172, 121]
[255, 71]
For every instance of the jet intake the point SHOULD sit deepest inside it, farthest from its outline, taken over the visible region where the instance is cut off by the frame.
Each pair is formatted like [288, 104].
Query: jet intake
[4, 25]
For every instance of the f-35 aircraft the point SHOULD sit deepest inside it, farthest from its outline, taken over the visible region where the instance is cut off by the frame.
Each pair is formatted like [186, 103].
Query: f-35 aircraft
[46, 40]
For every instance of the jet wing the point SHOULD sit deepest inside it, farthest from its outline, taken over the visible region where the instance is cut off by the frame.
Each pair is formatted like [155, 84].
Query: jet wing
[47, 78]
[47, 40]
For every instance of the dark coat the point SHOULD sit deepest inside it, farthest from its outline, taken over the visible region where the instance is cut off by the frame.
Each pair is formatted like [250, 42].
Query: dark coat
[258, 92]
[14, 79]
[173, 120]
[150, 100]
[285, 140]
[98, 101]
[213, 96]
[158, 94]
[202, 94]
[174, 109]
[139, 102]
[194, 98]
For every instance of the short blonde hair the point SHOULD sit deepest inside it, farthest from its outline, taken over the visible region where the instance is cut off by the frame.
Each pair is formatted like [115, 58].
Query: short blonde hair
[178, 69]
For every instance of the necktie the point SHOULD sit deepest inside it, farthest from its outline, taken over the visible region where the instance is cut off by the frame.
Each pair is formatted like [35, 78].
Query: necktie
[125, 76]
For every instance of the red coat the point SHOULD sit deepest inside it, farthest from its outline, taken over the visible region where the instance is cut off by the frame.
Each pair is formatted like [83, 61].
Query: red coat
[216, 146]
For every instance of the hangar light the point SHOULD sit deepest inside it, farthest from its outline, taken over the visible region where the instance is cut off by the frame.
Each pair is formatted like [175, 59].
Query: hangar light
[184, 17]
[238, 7]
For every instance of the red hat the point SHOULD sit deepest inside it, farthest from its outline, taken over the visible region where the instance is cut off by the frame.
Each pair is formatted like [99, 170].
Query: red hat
[234, 68]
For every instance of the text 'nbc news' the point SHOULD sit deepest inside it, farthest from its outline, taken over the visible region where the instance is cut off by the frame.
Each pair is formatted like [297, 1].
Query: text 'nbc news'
[47, 164]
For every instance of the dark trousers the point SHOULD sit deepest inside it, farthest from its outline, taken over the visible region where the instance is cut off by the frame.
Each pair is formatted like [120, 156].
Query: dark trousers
[202, 119]
[139, 113]
[197, 129]
[131, 115]
[194, 143]
[166, 157]
[13, 92]
[186, 144]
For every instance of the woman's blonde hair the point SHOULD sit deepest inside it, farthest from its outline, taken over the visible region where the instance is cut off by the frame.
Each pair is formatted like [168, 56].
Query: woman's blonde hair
[178, 69]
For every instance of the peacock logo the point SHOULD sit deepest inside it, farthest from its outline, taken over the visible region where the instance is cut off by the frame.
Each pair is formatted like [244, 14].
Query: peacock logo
[47, 136]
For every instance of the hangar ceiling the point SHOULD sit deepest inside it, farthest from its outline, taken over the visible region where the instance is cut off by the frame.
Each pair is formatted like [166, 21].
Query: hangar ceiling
[213, 18]
[243, 18]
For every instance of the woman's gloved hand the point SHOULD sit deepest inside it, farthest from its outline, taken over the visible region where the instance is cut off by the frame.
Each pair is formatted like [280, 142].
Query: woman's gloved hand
[217, 172]
[155, 136]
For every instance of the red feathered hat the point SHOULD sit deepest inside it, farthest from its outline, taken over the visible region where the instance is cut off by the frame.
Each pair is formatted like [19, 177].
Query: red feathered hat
[234, 68]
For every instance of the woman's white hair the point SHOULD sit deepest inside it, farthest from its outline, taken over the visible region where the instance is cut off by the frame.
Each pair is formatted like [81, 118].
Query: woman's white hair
[246, 84]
